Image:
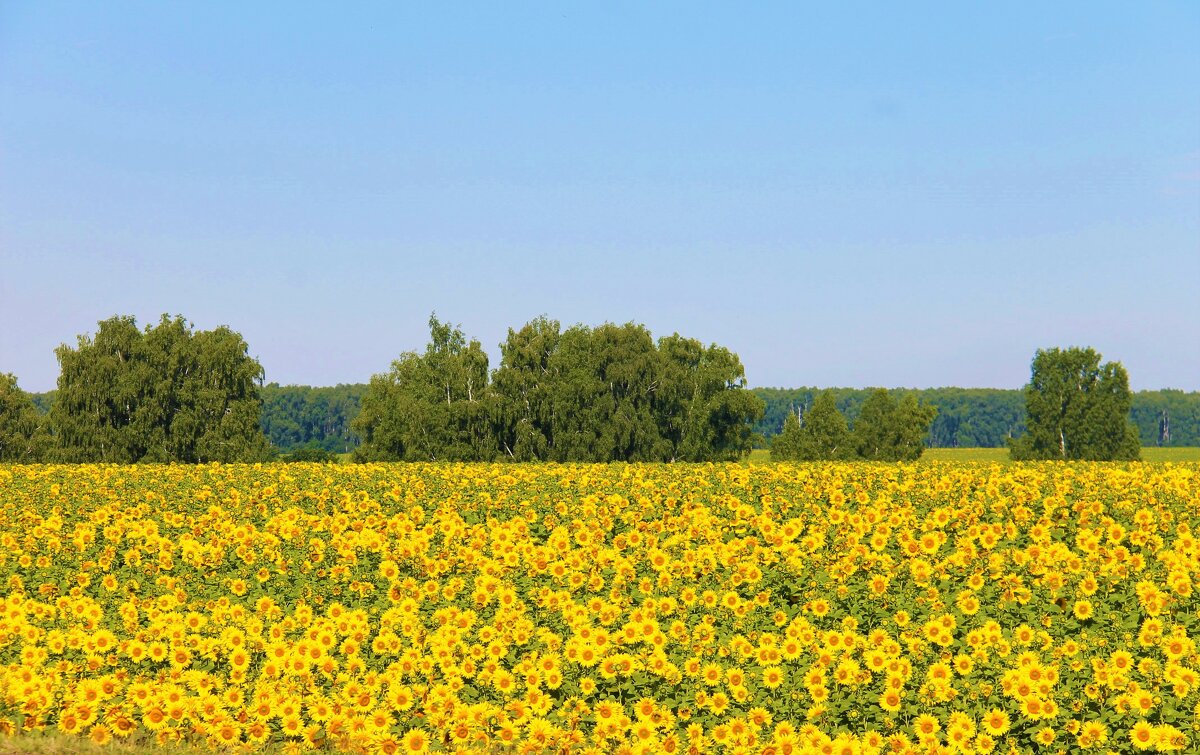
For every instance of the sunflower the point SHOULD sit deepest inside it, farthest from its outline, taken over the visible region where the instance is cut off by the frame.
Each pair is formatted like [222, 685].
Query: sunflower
[995, 722]
[415, 741]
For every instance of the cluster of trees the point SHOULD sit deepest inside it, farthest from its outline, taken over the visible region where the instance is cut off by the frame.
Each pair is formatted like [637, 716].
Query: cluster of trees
[167, 393]
[988, 417]
[608, 393]
[885, 429]
[966, 417]
[1077, 409]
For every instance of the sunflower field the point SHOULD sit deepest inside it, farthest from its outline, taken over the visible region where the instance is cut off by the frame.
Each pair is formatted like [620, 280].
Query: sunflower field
[835, 608]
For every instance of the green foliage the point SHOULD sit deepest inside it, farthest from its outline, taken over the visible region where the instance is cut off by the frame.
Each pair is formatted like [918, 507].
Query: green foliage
[786, 445]
[43, 401]
[607, 393]
[24, 437]
[1077, 409]
[526, 382]
[704, 411]
[610, 393]
[988, 418]
[824, 435]
[297, 416]
[974, 417]
[168, 394]
[602, 396]
[434, 406]
[1167, 418]
[886, 430]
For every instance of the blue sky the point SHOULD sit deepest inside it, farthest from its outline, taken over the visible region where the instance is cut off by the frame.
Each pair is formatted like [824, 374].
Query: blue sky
[848, 194]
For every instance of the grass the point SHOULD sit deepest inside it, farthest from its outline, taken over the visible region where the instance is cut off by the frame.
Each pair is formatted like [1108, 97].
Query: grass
[1171, 454]
[990, 455]
[1000, 455]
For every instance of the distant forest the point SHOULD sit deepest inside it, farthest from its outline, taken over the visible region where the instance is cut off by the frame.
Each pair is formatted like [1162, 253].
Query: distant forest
[988, 417]
[297, 416]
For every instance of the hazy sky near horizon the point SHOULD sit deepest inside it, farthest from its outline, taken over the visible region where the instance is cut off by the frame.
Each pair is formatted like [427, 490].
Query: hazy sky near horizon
[846, 194]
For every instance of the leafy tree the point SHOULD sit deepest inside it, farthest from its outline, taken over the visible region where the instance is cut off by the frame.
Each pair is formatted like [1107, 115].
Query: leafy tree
[598, 394]
[167, 394]
[1077, 409]
[786, 445]
[525, 383]
[432, 406]
[704, 412]
[603, 396]
[911, 423]
[887, 431]
[24, 437]
[610, 393]
[824, 435]
[975, 417]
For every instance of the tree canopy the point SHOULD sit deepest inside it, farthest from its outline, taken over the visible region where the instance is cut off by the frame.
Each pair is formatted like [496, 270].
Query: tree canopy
[165, 394]
[24, 436]
[604, 393]
[1077, 409]
[887, 430]
[685, 409]
[971, 417]
[786, 445]
[300, 417]
[820, 434]
[825, 434]
[883, 430]
[434, 406]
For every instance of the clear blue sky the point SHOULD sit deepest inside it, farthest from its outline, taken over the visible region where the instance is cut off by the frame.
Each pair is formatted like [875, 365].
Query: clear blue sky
[898, 194]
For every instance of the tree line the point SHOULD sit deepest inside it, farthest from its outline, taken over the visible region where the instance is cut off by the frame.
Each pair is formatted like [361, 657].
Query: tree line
[168, 393]
[989, 417]
[966, 417]
[1076, 408]
[301, 418]
[612, 392]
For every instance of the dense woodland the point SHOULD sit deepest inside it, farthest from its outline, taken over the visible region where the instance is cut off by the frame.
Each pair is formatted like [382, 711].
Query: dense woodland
[967, 417]
[165, 393]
